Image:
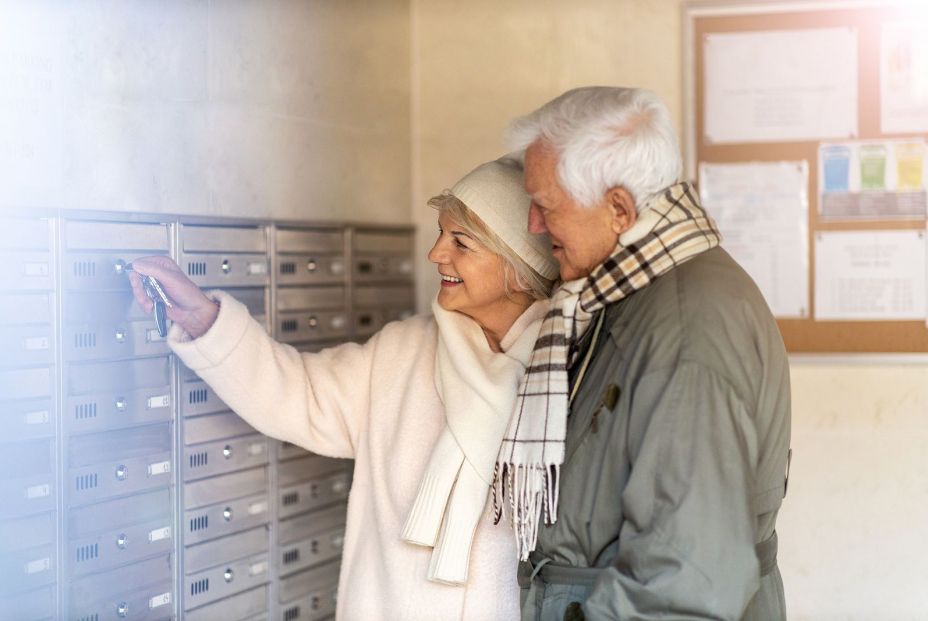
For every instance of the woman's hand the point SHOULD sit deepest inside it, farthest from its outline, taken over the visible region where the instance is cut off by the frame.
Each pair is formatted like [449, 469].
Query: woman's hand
[191, 309]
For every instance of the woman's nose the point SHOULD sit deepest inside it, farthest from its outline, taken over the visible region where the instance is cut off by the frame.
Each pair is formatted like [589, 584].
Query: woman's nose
[437, 254]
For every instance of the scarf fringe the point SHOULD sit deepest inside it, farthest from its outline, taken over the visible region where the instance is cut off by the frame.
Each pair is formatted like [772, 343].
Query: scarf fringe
[533, 492]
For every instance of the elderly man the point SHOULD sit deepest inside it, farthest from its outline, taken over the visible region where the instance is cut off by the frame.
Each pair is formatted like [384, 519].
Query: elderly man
[646, 462]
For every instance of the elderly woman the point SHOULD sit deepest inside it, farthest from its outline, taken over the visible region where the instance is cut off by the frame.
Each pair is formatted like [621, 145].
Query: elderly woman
[421, 407]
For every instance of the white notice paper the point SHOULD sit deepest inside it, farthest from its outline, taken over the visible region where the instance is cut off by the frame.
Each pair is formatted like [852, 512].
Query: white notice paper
[784, 85]
[762, 210]
[904, 78]
[870, 275]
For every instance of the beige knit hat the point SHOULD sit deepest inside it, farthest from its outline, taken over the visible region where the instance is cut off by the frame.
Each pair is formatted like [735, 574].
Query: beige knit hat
[494, 192]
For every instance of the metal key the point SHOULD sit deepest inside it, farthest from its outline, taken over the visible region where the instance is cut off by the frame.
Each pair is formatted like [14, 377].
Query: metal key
[157, 295]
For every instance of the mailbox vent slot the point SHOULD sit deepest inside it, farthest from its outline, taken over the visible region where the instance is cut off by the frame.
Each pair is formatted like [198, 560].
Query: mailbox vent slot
[199, 523]
[196, 268]
[198, 460]
[83, 411]
[288, 268]
[200, 586]
[86, 481]
[85, 269]
[88, 552]
[199, 395]
[93, 617]
[84, 340]
[289, 325]
[292, 613]
[291, 556]
[290, 498]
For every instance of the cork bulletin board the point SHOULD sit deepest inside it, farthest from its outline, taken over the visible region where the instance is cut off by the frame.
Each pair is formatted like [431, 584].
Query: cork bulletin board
[701, 20]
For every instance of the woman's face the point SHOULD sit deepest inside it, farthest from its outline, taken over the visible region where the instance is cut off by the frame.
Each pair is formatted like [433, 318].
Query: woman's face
[472, 277]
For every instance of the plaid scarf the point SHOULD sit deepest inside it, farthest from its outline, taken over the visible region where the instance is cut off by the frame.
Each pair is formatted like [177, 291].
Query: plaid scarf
[528, 466]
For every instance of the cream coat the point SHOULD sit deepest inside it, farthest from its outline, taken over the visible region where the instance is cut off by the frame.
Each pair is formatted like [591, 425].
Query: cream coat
[377, 404]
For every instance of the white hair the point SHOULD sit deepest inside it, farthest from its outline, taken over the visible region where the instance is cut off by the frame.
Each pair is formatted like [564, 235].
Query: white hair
[605, 137]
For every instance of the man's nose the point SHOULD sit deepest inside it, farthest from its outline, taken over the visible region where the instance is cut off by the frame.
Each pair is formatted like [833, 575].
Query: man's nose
[536, 222]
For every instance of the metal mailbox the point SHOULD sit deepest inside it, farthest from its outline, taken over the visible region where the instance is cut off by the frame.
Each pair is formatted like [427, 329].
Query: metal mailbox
[114, 395]
[236, 485]
[382, 256]
[31, 411]
[309, 257]
[29, 558]
[96, 253]
[139, 592]
[313, 494]
[226, 517]
[311, 539]
[104, 465]
[37, 605]
[255, 300]
[196, 397]
[108, 324]
[309, 595]
[311, 314]
[26, 260]
[221, 256]
[374, 307]
[223, 567]
[201, 429]
[286, 450]
[27, 332]
[109, 534]
[310, 467]
[224, 456]
[247, 606]
[27, 478]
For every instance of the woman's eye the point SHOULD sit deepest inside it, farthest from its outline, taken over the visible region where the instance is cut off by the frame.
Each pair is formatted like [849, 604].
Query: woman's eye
[460, 245]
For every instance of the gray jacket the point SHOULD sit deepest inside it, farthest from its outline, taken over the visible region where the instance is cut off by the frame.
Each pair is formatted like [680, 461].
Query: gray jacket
[676, 451]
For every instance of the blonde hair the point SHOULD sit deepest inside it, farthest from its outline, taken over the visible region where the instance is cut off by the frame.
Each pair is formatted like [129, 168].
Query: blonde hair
[519, 276]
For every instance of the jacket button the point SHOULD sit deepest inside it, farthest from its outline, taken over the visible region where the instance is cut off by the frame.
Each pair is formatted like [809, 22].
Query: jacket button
[574, 612]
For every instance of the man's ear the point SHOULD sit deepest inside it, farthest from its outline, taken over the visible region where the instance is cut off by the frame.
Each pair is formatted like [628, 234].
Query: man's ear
[622, 204]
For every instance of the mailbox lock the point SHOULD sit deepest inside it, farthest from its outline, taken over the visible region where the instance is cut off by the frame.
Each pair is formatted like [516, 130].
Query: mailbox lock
[314, 546]
[121, 472]
[227, 514]
[313, 321]
[228, 574]
[227, 451]
[120, 336]
[122, 610]
[119, 267]
[311, 265]
[226, 268]
[314, 491]
[121, 403]
[122, 541]
[314, 602]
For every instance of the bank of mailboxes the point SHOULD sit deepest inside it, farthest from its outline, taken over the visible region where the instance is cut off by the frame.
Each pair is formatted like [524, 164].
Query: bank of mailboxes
[129, 489]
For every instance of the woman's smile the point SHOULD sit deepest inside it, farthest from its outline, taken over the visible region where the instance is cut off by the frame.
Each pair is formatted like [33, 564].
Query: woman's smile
[449, 281]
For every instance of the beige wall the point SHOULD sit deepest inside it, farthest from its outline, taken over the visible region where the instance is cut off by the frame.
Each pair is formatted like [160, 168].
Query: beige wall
[853, 541]
[478, 64]
[277, 108]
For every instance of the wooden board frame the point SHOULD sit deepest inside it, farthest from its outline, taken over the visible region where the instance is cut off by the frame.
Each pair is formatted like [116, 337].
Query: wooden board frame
[867, 17]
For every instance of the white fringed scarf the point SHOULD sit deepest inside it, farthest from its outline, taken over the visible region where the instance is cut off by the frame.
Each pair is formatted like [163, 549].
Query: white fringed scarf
[478, 389]
[671, 230]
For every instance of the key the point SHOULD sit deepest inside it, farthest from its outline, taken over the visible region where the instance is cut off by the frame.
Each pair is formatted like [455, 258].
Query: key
[153, 290]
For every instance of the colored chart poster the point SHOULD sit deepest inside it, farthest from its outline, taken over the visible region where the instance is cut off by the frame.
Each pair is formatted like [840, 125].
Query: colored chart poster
[780, 86]
[762, 210]
[870, 275]
[874, 180]
[904, 78]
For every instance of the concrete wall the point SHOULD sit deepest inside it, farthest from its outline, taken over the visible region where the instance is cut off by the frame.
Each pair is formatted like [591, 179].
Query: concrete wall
[279, 108]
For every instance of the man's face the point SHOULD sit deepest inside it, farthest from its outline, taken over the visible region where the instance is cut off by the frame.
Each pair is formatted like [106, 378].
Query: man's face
[581, 237]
